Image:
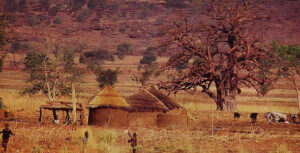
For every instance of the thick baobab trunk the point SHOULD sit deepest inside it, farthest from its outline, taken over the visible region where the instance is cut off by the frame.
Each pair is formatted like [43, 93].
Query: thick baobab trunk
[74, 103]
[219, 101]
[230, 101]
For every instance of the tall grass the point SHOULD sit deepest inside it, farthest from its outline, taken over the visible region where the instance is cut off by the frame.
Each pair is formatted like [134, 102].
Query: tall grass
[282, 149]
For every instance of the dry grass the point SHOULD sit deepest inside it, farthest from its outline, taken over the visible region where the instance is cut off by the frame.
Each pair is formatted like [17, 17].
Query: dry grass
[200, 137]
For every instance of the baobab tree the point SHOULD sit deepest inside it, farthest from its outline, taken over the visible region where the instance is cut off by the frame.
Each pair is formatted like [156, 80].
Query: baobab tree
[223, 47]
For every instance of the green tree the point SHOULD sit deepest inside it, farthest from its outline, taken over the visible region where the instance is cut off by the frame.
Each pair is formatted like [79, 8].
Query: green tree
[289, 64]
[74, 75]
[50, 72]
[94, 59]
[148, 67]
[106, 77]
[123, 49]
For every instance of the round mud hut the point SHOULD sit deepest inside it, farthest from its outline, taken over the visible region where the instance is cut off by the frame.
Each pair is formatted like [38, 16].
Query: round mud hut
[108, 108]
[144, 109]
[175, 117]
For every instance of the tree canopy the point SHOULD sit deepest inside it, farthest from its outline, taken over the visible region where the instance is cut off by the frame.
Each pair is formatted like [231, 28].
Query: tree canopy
[226, 40]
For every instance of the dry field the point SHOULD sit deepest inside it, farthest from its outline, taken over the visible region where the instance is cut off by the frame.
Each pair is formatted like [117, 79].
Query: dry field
[209, 131]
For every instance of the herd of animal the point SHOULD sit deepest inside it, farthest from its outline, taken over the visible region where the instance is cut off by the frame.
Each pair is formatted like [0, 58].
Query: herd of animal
[272, 117]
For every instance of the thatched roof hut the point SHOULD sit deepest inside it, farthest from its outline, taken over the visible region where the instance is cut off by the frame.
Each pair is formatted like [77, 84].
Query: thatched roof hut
[144, 101]
[108, 108]
[166, 100]
[108, 97]
[176, 117]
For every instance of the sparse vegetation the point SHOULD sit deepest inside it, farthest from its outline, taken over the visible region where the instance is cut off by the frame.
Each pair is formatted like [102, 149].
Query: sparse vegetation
[90, 49]
[106, 77]
[83, 15]
[57, 20]
[175, 3]
[123, 49]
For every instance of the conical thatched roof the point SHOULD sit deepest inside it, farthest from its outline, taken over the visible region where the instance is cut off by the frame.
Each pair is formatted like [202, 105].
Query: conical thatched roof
[108, 97]
[144, 101]
[166, 100]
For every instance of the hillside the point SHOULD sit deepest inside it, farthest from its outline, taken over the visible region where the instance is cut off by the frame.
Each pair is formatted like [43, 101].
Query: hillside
[107, 23]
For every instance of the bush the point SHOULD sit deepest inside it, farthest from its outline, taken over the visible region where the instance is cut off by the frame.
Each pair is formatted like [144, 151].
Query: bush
[123, 49]
[33, 20]
[83, 16]
[57, 20]
[92, 4]
[10, 6]
[96, 55]
[11, 18]
[148, 59]
[23, 6]
[45, 4]
[54, 10]
[2, 106]
[175, 3]
[106, 77]
[122, 29]
[78, 4]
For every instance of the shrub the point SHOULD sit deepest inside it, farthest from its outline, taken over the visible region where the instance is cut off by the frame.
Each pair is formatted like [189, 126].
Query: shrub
[92, 4]
[175, 3]
[148, 59]
[33, 20]
[96, 55]
[11, 18]
[23, 6]
[2, 106]
[122, 29]
[10, 6]
[54, 10]
[45, 4]
[15, 46]
[106, 77]
[83, 15]
[123, 49]
[78, 4]
[57, 20]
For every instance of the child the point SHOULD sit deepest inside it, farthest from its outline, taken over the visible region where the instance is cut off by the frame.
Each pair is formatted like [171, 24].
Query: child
[133, 141]
[5, 137]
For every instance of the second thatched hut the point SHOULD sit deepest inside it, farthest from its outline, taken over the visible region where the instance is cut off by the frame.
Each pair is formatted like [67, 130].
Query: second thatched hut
[175, 117]
[144, 109]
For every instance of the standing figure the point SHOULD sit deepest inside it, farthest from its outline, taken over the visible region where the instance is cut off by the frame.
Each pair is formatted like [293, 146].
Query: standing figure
[5, 137]
[133, 141]
[253, 117]
[85, 140]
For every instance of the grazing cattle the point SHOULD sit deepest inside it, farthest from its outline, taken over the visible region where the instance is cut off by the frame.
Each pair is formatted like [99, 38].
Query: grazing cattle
[236, 115]
[276, 117]
[292, 118]
[253, 117]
